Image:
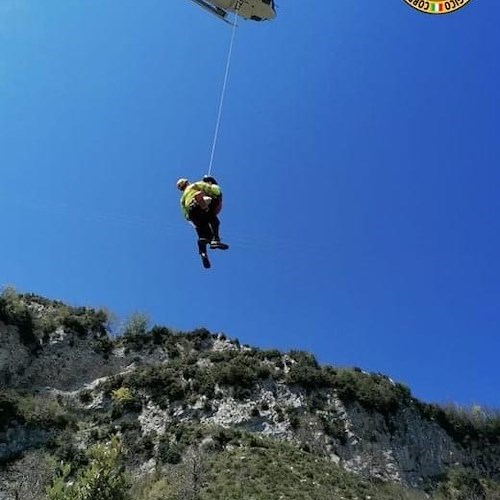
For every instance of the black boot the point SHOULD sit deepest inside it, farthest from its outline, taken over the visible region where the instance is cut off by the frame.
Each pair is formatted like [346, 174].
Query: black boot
[205, 261]
[218, 244]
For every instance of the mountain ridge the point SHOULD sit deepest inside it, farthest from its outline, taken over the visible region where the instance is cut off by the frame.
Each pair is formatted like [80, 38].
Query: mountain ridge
[65, 384]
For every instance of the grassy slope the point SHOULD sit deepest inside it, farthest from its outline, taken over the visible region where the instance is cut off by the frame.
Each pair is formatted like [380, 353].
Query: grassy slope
[283, 472]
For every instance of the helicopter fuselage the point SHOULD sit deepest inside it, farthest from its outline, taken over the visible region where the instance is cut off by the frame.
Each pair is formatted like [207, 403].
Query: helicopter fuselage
[256, 10]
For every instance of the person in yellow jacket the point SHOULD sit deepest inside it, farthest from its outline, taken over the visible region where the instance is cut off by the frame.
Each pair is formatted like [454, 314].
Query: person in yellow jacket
[195, 201]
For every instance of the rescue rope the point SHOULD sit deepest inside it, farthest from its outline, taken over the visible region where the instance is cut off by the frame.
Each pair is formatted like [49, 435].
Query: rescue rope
[223, 93]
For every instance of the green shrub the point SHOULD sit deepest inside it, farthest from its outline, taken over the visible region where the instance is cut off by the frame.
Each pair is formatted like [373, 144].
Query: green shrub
[160, 334]
[168, 452]
[263, 372]
[104, 345]
[308, 376]
[295, 421]
[173, 350]
[373, 392]
[152, 489]
[242, 373]
[136, 325]
[222, 437]
[103, 478]
[159, 381]
[464, 424]
[125, 400]
[199, 338]
[462, 484]
[334, 427]
[33, 410]
[203, 383]
[83, 320]
[64, 446]
[304, 358]
[220, 356]
[85, 396]
[43, 412]
[283, 472]
[317, 401]
[9, 410]
[15, 312]
[270, 354]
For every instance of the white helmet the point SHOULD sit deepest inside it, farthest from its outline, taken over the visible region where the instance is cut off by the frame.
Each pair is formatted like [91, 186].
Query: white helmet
[182, 183]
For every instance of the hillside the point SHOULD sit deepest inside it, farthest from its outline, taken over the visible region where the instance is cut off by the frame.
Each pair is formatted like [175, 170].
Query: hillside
[160, 414]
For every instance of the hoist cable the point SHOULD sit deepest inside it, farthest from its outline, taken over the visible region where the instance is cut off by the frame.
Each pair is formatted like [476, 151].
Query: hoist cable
[223, 93]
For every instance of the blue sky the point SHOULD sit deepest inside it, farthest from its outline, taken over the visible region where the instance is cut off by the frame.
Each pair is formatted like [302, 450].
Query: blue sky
[358, 155]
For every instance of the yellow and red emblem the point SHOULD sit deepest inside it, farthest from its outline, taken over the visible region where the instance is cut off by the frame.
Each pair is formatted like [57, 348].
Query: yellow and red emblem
[437, 6]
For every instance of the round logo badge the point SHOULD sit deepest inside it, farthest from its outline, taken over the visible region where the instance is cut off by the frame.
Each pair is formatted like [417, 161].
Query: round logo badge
[437, 6]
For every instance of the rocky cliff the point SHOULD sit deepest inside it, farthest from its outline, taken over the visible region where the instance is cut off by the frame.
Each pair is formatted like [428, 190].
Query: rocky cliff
[65, 385]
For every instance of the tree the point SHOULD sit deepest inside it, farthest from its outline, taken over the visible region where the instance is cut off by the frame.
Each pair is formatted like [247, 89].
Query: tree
[103, 478]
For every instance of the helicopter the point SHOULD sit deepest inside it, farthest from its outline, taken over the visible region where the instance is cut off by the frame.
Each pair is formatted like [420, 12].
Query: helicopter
[256, 10]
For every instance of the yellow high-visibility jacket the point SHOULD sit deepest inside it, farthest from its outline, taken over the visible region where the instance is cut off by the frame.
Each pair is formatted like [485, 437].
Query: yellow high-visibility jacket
[188, 195]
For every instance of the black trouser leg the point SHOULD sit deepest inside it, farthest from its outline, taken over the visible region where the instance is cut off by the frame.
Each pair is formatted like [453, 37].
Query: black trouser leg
[201, 221]
[202, 245]
[214, 224]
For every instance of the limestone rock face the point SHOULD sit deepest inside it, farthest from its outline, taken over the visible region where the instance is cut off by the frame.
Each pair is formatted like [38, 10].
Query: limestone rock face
[65, 362]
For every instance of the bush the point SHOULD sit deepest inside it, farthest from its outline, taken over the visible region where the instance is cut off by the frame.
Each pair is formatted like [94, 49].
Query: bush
[9, 410]
[304, 358]
[462, 484]
[220, 356]
[32, 410]
[236, 374]
[43, 412]
[160, 334]
[242, 373]
[85, 396]
[152, 488]
[136, 325]
[222, 437]
[83, 320]
[308, 376]
[464, 424]
[15, 312]
[36, 318]
[334, 427]
[271, 354]
[168, 452]
[74, 324]
[103, 478]
[104, 345]
[373, 392]
[203, 383]
[200, 339]
[63, 445]
[124, 399]
[159, 381]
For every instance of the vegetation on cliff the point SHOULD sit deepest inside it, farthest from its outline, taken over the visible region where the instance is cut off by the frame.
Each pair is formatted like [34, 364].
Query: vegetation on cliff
[150, 431]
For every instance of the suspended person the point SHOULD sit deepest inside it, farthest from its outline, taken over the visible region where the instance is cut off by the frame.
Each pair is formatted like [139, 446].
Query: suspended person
[214, 208]
[196, 201]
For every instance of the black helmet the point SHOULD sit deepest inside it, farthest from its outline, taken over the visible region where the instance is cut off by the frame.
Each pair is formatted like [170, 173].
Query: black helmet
[209, 179]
